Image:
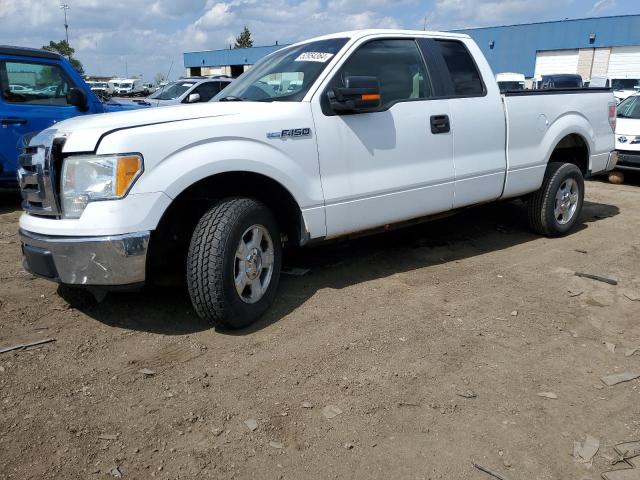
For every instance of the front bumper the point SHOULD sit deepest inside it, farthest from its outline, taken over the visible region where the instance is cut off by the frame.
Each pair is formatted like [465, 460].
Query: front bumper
[628, 160]
[116, 260]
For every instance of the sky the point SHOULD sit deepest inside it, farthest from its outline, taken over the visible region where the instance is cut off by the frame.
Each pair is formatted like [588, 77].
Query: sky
[115, 37]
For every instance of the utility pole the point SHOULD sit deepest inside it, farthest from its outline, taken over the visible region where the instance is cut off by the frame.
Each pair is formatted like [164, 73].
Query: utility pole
[64, 8]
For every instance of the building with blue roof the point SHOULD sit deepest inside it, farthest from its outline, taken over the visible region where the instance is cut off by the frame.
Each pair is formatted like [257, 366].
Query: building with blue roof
[604, 46]
[230, 61]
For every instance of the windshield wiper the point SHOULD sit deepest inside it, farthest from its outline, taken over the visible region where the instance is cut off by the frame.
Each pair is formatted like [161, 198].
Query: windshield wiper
[231, 98]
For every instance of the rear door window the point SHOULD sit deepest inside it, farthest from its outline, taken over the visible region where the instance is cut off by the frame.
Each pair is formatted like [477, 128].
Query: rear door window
[465, 77]
[34, 83]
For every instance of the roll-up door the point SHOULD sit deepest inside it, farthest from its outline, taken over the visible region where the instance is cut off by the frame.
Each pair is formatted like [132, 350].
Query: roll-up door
[550, 62]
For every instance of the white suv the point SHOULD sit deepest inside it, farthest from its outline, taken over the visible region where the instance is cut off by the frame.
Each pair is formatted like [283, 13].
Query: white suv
[189, 90]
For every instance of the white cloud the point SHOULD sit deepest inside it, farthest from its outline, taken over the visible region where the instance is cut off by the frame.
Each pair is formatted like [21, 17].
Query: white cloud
[448, 14]
[147, 35]
[218, 15]
[602, 6]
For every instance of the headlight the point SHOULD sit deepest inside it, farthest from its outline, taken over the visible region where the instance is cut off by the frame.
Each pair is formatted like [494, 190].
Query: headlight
[98, 177]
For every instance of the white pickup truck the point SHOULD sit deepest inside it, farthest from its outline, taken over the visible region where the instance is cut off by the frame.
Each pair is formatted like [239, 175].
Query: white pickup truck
[344, 133]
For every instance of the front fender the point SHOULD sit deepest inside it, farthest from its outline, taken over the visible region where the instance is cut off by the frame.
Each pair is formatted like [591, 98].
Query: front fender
[231, 155]
[178, 155]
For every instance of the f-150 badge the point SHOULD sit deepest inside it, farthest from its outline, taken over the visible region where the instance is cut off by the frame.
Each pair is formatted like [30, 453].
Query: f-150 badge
[290, 133]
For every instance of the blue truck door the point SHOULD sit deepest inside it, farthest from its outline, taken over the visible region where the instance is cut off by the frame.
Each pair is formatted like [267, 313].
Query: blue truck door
[33, 97]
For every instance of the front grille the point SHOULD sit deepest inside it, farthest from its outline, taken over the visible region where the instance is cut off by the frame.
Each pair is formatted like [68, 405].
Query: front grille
[38, 174]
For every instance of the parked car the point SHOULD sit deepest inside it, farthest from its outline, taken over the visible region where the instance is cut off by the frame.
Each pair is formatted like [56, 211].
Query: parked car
[628, 134]
[366, 140]
[510, 81]
[622, 87]
[20, 88]
[150, 88]
[189, 90]
[103, 89]
[559, 81]
[57, 92]
[129, 87]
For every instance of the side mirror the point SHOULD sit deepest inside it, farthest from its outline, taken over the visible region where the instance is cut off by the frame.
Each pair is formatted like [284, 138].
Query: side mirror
[359, 94]
[193, 98]
[78, 99]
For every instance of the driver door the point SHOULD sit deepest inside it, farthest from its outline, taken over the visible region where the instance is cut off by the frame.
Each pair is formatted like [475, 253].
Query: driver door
[391, 164]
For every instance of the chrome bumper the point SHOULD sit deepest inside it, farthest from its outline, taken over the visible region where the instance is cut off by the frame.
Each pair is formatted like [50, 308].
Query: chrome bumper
[613, 161]
[100, 261]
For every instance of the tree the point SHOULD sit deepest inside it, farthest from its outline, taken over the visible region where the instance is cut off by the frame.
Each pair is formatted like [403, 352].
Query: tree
[66, 50]
[159, 78]
[244, 39]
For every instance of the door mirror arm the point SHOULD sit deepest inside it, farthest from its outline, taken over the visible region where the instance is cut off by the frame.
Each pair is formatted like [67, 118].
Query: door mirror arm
[193, 98]
[78, 98]
[359, 94]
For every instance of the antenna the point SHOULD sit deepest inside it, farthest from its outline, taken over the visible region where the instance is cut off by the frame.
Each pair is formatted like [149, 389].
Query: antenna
[169, 72]
[64, 8]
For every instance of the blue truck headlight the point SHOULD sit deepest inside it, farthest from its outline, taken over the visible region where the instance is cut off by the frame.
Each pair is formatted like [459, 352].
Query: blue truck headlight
[97, 177]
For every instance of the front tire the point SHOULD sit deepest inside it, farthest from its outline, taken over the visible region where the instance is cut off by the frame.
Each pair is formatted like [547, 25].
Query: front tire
[233, 263]
[555, 208]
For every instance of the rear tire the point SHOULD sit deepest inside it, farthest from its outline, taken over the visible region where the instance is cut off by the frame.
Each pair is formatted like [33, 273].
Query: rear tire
[233, 263]
[556, 207]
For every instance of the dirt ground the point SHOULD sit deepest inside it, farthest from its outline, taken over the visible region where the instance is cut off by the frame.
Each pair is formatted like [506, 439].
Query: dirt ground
[393, 331]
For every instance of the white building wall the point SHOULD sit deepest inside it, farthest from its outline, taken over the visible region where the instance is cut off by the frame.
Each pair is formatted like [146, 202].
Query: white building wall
[600, 62]
[624, 62]
[585, 61]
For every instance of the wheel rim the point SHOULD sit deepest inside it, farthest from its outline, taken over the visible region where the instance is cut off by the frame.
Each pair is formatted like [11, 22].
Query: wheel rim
[567, 198]
[254, 263]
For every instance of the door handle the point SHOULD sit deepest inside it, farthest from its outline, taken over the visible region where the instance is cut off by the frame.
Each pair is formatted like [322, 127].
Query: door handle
[440, 124]
[13, 121]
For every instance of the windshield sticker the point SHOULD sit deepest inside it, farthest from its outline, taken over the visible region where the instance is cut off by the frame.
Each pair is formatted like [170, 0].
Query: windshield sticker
[321, 57]
[188, 84]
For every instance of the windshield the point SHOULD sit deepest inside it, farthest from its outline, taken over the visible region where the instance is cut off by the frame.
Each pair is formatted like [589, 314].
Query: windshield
[285, 75]
[126, 85]
[624, 83]
[172, 91]
[100, 85]
[630, 108]
[504, 86]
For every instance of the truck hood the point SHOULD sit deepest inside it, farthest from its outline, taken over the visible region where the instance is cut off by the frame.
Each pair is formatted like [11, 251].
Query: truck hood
[123, 105]
[624, 94]
[628, 126]
[627, 129]
[83, 133]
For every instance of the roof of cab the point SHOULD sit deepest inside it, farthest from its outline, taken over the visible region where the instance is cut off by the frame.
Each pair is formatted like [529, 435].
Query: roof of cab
[357, 34]
[27, 52]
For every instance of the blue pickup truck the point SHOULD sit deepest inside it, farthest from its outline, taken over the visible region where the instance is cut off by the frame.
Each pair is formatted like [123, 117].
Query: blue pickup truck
[37, 89]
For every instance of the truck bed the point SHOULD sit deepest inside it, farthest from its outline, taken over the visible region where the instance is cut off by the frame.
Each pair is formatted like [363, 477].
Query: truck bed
[555, 91]
[538, 120]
